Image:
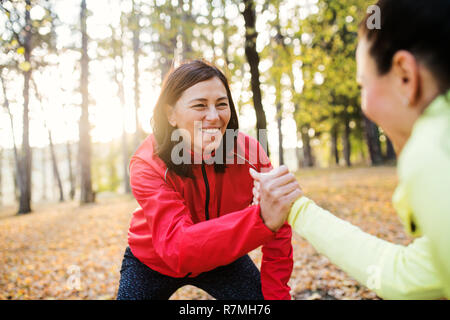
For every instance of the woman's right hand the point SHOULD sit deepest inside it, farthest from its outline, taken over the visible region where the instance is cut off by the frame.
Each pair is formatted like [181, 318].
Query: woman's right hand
[275, 192]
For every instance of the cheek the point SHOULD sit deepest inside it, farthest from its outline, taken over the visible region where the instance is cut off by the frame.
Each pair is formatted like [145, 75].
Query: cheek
[375, 103]
[225, 116]
[186, 119]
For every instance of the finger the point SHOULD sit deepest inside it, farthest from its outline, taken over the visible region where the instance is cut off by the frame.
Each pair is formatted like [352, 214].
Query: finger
[256, 185]
[255, 174]
[293, 196]
[280, 181]
[286, 189]
[255, 193]
[266, 169]
[281, 170]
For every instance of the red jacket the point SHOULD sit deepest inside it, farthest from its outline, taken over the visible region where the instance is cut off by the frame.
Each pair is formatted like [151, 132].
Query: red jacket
[174, 233]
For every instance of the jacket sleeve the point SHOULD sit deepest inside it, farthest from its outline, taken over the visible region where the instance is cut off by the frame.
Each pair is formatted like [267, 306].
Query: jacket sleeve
[187, 247]
[430, 201]
[277, 254]
[276, 266]
[392, 271]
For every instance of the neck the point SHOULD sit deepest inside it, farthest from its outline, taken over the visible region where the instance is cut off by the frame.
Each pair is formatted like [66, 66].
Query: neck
[400, 139]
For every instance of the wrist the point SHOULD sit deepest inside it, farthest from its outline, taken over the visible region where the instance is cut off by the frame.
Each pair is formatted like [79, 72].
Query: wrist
[267, 222]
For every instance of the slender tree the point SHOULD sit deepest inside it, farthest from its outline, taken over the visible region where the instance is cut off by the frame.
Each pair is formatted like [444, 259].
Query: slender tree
[44, 174]
[118, 77]
[372, 135]
[25, 163]
[17, 171]
[253, 61]
[70, 169]
[56, 173]
[84, 152]
[134, 25]
[390, 152]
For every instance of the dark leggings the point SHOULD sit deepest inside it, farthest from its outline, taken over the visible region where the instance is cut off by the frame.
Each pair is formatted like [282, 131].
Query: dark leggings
[240, 280]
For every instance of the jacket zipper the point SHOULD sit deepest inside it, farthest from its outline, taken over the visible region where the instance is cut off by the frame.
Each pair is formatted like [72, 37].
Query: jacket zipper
[205, 179]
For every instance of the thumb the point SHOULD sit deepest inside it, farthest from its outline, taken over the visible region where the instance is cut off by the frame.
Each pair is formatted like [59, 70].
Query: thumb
[255, 174]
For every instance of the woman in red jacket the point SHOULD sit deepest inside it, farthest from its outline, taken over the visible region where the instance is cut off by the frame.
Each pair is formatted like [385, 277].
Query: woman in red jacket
[196, 224]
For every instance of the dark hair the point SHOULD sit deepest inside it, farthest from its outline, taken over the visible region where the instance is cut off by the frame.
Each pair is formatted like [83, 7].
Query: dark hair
[421, 27]
[175, 83]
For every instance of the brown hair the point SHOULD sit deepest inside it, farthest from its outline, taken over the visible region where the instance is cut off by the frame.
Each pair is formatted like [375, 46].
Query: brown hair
[175, 83]
[421, 27]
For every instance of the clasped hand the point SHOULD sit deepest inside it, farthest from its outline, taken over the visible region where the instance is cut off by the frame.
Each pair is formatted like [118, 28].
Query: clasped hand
[275, 192]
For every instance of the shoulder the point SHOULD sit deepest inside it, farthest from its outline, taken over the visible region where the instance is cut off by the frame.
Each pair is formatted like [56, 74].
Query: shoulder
[252, 151]
[424, 172]
[247, 142]
[427, 152]
[145, 157]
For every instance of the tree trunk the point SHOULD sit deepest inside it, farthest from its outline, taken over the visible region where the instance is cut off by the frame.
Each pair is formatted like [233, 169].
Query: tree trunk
[390, 152]
[44, 175]
[136, 48]
[16, 170]
[186, 31]
[118, 77]
[55, 167]
[253, 60]
[225, 45]
[334, 144]
[71, 175]
[373, 141]
[51, 147]
[25, 163]
[280, 135]
[84, 155]
[16, 185]
[125, 156]
[308, 159]
[346, 142]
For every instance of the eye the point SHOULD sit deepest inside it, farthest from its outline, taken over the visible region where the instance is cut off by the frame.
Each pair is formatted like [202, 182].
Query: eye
[222, 105]
[198, 106]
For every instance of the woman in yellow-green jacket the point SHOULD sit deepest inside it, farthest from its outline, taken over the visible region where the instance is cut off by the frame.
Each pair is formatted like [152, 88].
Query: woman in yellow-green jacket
[404, 73]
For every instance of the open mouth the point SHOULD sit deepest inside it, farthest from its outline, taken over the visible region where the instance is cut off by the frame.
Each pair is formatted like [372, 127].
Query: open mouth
[211, 130]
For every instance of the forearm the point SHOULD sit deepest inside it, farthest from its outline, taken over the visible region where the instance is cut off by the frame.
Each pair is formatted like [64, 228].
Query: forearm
[277, 264]
[206, 245]
[392, 271]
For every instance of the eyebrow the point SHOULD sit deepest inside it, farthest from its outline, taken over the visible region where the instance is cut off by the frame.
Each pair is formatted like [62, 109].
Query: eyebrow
[203, 99]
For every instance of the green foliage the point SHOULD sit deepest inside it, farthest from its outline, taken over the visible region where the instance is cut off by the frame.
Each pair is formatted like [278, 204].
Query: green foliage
[15, 45]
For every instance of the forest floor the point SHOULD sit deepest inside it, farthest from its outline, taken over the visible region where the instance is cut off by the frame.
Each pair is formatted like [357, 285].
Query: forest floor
[67, 251]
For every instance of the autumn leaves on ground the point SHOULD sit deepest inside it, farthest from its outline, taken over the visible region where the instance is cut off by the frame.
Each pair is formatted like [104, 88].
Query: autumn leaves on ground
[64, 251]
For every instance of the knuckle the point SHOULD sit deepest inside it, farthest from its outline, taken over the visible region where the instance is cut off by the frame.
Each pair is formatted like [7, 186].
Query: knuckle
[276, 194]
[284, 169]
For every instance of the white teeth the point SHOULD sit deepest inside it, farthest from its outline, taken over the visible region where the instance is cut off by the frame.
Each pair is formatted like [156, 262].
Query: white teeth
[212, 131]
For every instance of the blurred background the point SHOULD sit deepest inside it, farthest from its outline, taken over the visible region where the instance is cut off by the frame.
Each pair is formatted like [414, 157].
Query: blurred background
[79, 80]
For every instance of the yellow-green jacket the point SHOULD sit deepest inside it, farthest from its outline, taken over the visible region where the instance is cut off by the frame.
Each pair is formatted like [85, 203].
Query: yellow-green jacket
[420, 270]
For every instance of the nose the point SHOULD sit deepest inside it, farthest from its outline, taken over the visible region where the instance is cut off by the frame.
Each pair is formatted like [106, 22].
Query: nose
[211, 113]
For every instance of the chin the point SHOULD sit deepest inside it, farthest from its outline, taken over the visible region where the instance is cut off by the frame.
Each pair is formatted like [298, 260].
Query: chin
[210, 147]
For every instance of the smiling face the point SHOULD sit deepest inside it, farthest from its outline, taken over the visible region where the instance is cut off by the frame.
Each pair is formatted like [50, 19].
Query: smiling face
[203, 110]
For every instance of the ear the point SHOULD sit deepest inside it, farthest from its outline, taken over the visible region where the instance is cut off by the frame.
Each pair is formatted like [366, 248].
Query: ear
[170, 112]
[406, 69]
